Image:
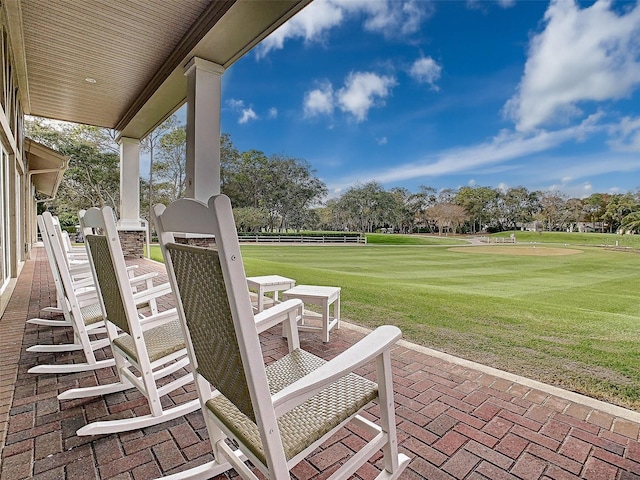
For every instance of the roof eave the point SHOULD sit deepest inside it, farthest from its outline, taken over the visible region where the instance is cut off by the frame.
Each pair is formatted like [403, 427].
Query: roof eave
[48, 167]
[242, 27]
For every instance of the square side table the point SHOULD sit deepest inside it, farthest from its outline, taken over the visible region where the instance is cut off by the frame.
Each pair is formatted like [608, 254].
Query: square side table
[317, 295]
[269, 283]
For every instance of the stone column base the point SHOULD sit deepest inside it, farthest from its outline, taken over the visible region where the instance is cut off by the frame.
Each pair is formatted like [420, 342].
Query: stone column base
[132, 242]
[197, 241]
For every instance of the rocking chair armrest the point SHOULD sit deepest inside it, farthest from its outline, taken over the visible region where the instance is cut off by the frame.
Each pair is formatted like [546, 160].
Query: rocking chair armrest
[87, 297]
[142, 278]
[276, 314]
[86, 292]
[367, 349]
[77, 268]
[151, 293]
[158, 319]
[76, 260]
[83, 283]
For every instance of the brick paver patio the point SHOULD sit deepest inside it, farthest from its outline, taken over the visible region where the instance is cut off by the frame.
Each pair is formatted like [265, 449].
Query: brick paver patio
[456, 420]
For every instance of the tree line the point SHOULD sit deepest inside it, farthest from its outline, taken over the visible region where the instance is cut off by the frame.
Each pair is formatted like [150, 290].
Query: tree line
[280, 193]
[479, 209]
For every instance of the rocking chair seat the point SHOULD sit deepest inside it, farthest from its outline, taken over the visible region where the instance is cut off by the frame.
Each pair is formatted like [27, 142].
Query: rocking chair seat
[91, 313]
[305, 424]
[161, 341]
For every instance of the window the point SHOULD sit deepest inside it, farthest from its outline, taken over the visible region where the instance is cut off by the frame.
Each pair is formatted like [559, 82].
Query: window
[5, 251]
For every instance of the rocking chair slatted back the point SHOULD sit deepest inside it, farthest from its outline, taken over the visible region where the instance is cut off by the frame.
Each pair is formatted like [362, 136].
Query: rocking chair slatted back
[108, 280]
[208, 315]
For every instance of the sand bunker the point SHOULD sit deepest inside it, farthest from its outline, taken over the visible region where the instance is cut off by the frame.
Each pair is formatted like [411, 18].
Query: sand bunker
[530, 250]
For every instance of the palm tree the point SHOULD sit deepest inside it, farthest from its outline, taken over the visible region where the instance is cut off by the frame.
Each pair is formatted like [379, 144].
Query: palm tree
[631, 223]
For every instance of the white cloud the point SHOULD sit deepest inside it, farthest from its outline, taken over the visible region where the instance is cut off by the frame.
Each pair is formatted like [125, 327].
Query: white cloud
[564, 186]
[581, 190]
[382, 140]
[319, 101]
[481, 5]
[472, 183]
[362, 91]
[247, 115]
[503, 187]
[426, 70]
[506, 3]
[626, 135]
[312, 24]
[273, 113]
[506, 146]
[235, 104]
[586, 166]
[588, 54]
[391, 18]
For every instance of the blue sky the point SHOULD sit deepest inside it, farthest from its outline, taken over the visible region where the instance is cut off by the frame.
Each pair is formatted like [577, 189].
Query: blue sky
[447, 94]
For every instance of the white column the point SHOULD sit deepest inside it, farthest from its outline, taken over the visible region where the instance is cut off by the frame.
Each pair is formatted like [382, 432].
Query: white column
[204, 81]
[129, 183]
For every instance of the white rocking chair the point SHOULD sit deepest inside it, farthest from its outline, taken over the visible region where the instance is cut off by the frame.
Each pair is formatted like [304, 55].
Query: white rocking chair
[76, 260]
[83, 286]
[87, 318]
[80, 308]
[79, 272]
[153, 346]
[279, 414]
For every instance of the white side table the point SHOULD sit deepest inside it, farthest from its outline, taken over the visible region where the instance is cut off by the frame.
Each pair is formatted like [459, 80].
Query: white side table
[269, 283]
[323, 296]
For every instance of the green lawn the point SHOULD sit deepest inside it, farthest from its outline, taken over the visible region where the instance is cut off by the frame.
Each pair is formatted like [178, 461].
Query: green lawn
[575, 238]
[398, 239]
[572, 321]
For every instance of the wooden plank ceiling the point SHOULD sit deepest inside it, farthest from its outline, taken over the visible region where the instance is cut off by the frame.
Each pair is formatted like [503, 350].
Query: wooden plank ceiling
[103, 62]
[120, 45]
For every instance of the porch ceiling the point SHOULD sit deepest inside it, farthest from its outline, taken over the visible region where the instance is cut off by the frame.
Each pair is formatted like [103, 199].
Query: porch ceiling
[120, 64]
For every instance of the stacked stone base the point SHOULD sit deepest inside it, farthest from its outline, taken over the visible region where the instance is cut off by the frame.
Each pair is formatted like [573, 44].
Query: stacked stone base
[197, 241]
[132, 242]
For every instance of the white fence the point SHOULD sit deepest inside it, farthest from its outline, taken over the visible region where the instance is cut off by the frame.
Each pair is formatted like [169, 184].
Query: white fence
[511, 239]
[318, 239]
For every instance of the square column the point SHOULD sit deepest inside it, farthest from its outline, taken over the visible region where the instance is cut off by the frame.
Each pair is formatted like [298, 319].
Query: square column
[204, 81]
[130, 227]
[129, 183]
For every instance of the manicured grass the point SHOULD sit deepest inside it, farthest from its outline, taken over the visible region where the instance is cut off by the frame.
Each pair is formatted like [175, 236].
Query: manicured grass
[575, 238]
[571, 321]
[156, 253]
[398, 239]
